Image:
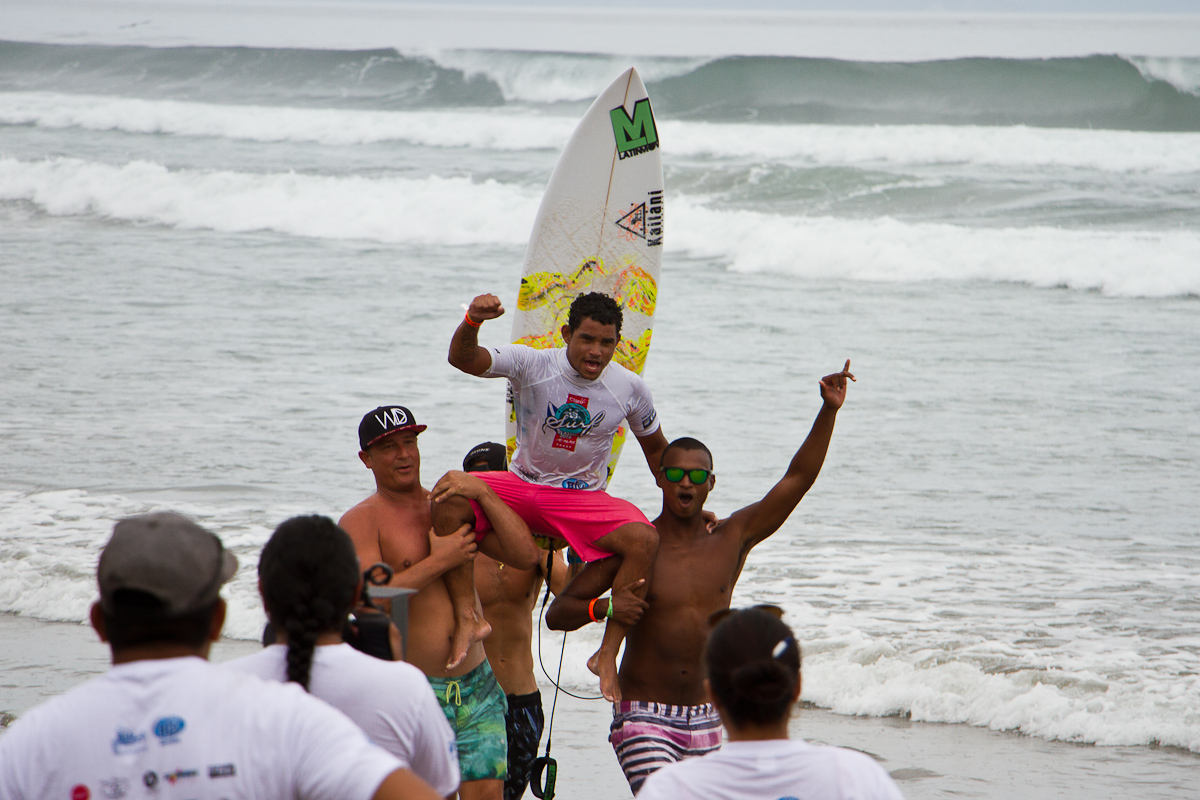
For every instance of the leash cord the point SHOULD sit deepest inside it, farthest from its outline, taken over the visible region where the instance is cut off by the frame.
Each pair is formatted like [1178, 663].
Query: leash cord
[557, 685]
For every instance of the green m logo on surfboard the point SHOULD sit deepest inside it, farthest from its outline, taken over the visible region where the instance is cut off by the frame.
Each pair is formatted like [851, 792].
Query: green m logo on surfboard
[635, 134]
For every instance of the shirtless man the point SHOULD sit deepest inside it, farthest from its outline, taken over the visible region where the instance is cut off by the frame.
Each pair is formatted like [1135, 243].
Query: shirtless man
[664, 715]
[569, 403]
[393, 525]
[509, 596]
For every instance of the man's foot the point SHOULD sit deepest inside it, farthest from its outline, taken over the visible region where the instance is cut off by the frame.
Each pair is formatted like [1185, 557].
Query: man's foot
[606, 670]
[467, 631]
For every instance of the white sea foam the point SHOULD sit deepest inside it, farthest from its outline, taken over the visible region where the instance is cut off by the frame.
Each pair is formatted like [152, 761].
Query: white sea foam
[494, 129]
[430, 210]
[458, 211]
[1182, 73]
[508, 129]
[554, 77]
[50, 542]
[1128, 264]
[853, 676]
[1010, 146]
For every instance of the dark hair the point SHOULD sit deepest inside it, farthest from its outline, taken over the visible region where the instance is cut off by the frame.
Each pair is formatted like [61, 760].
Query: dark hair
[597, 306]
[308, 570]
[685, 443]
[138, 618]
[753, 664]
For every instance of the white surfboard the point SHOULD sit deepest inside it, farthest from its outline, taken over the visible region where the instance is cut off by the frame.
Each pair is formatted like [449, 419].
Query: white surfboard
[599, 228]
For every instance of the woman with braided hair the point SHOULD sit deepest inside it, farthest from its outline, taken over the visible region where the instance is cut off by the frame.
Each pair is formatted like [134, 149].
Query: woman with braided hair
[752, 662]
[309, 579]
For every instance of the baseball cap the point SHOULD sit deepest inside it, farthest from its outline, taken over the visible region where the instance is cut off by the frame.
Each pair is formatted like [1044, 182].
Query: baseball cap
[167, 556]
[384, 420]
[495, 454]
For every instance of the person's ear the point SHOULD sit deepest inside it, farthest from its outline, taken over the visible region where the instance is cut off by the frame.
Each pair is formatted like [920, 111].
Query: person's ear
[566, 334]
[96, 615]
[217, 622]
[365, 458]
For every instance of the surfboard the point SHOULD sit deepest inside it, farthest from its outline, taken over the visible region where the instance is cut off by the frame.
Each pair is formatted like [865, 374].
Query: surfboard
[599, 229]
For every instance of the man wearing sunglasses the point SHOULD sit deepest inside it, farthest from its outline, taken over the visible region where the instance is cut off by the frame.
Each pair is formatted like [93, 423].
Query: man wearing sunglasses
[664, 714]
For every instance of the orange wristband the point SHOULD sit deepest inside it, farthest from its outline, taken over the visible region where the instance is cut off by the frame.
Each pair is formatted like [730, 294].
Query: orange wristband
[592, 609]
[471, 322]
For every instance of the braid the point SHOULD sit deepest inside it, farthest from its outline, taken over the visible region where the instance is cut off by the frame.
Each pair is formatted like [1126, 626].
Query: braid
[308, 571]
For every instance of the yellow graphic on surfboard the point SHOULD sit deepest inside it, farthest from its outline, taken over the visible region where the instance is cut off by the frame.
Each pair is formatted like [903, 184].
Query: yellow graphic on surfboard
[553, 292]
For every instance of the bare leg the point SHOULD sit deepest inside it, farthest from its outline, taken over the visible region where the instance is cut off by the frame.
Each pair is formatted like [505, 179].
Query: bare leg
[469, 624]
[481, 790]
[637, 544]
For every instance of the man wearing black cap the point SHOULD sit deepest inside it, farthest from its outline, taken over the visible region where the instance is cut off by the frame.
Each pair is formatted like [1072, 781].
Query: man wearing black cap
[394, 525]
[508, 596]
[163, 717]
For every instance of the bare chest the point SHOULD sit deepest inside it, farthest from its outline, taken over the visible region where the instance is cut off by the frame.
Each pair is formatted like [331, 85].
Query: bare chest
[404, 536]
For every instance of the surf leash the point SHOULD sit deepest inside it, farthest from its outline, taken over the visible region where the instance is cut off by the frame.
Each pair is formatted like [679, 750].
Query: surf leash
[541, 662]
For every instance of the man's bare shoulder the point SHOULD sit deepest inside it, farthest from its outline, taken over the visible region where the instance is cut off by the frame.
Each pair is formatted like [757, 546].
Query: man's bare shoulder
[365, 514]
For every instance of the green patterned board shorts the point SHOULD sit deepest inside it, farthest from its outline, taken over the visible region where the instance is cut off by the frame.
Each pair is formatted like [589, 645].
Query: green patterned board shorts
[474, 705]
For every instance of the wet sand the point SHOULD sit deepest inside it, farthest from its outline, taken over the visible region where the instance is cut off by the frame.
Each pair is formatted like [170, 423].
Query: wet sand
[41, 659]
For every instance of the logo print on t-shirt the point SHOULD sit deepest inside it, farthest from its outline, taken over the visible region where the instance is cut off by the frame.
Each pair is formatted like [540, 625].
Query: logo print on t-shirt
[127, 741]
[115, 789]
[80, 792]
[168, 729]
[570, 421]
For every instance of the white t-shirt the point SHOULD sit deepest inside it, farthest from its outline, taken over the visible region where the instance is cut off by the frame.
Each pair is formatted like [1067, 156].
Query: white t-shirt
[184, 728]
[390, 700]
[565, 423]
[776, 769]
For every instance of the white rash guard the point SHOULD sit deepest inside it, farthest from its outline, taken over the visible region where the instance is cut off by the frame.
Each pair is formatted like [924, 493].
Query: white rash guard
[390, 700]
[565, 423]
[184, 728]
[771, 770]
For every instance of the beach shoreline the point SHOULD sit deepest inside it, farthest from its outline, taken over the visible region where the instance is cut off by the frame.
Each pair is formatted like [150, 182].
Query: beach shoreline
[928, 760]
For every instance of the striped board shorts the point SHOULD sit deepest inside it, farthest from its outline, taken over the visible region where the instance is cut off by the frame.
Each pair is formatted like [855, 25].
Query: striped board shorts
[647, 736]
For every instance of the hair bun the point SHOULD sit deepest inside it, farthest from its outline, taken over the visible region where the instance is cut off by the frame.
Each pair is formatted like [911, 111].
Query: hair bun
[762, 682]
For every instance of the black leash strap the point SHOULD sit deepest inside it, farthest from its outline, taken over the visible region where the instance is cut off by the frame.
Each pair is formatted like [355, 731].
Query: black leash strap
[545, 769]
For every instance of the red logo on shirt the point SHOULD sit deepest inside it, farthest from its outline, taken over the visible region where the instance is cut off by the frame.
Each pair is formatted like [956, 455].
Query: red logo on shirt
[80, 792]
[569, 421]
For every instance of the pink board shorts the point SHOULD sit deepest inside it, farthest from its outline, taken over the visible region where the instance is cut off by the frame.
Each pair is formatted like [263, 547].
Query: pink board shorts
[579, 516]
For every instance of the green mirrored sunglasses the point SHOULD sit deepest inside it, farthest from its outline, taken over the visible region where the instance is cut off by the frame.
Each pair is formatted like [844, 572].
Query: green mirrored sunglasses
[696, 476]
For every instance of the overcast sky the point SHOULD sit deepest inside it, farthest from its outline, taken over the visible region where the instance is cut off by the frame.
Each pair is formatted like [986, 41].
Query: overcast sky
[986, 6]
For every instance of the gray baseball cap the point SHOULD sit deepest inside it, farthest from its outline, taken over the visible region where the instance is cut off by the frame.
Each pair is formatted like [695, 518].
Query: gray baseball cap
[168, 556]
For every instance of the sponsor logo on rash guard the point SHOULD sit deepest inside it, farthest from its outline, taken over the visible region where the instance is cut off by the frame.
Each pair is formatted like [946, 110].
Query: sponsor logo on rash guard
[570, 421]
[575, 483]
[127, 741]
[150, 779]
[180, 774]
[80, 792]
[115, 789]
[168, 729]
[222, 771]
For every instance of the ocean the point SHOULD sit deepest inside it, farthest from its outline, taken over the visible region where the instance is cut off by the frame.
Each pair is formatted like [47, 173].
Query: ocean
[215, 258]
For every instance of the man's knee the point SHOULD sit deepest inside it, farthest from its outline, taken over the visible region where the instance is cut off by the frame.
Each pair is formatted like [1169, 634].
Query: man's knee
[450, 515]
[636, 539]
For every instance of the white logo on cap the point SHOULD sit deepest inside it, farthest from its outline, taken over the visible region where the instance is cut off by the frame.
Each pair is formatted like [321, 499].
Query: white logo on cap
[393, 418]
